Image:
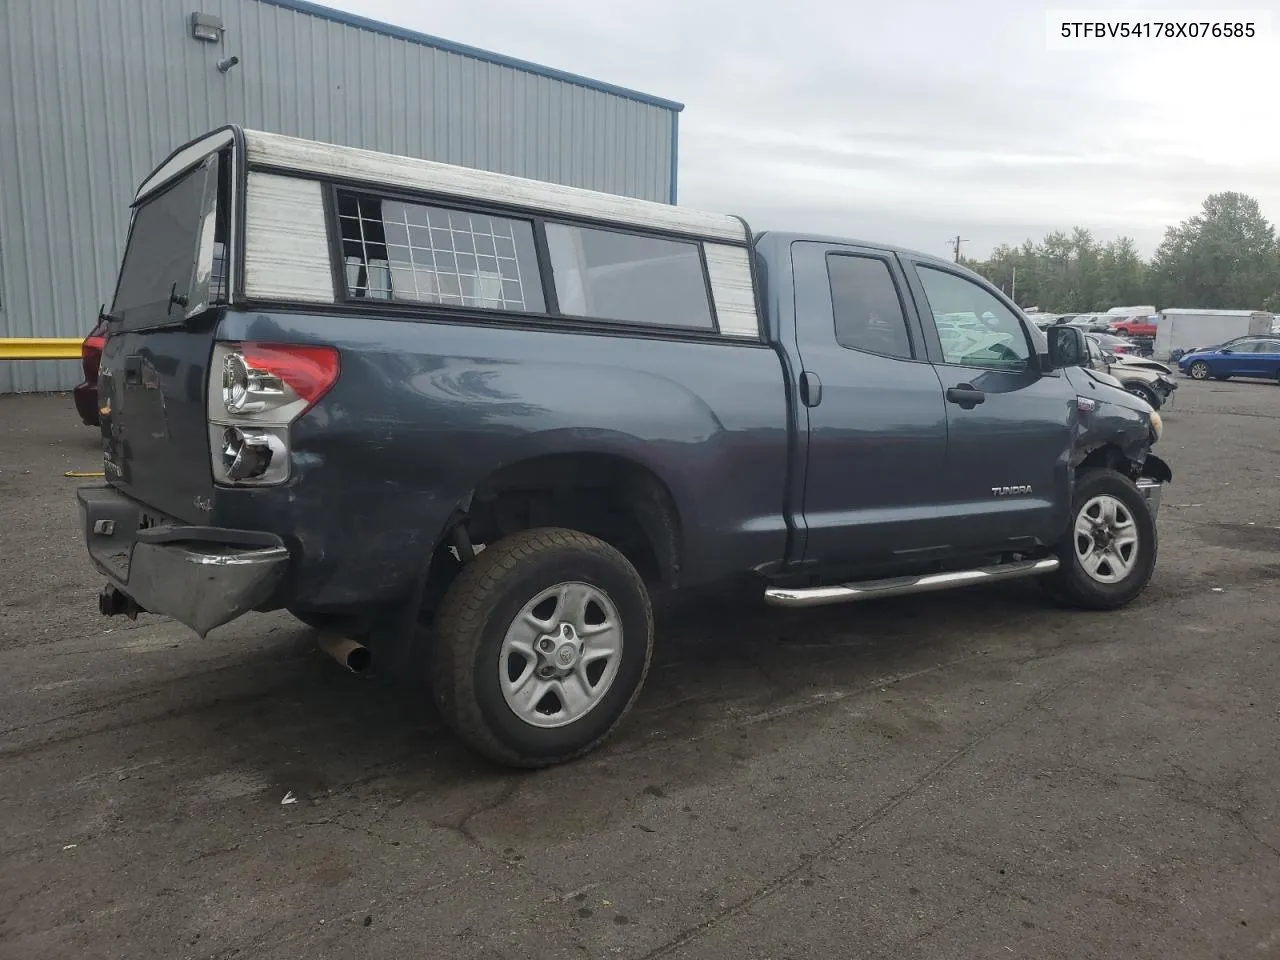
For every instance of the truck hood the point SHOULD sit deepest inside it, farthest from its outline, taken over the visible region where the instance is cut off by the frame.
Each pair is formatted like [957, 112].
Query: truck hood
[1101, 377]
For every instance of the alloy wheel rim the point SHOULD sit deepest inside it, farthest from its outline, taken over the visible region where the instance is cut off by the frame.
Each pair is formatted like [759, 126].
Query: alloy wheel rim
[561, 654]
[1106, 539]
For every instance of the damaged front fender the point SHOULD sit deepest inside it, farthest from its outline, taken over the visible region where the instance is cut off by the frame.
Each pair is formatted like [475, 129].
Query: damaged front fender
[1156, 469]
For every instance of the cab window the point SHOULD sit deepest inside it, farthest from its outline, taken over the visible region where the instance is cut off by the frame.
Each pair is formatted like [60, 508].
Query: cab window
[975, 329]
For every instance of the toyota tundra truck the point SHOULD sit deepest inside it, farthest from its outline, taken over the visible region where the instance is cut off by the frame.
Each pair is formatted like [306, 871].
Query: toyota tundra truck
[485, 421]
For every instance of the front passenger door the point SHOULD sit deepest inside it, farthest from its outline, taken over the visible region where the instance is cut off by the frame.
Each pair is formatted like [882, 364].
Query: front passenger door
[1009, 425]
[1269, 355]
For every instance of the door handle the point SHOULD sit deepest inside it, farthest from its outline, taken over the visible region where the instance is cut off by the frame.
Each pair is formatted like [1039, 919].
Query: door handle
[810, 389]
[965, 396]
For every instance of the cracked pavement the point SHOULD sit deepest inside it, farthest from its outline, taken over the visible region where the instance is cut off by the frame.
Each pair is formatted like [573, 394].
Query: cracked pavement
[963, 775]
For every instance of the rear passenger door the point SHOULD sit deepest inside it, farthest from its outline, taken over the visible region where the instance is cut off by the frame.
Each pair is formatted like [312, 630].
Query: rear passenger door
[1007, 479]
[873, 408]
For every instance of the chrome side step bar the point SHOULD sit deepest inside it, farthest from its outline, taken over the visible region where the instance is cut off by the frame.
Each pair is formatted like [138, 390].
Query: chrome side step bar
[899, 586]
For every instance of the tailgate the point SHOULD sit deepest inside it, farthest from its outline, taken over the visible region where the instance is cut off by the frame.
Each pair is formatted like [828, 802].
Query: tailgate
[155, 363]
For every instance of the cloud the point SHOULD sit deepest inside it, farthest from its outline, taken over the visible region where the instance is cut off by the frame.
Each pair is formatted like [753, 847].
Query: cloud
[913, 121]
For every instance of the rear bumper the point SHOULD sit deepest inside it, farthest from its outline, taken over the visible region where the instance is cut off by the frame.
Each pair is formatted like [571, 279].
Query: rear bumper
[200, 576]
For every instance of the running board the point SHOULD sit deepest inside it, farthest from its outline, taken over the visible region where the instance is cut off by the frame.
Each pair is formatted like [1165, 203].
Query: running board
[899, 586]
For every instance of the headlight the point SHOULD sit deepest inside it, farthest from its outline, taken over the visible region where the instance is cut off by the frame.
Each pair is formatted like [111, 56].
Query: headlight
[1157, 425]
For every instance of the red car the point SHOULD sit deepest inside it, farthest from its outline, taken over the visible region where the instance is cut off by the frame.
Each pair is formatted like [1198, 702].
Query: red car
[86, 394]
[1134, 327]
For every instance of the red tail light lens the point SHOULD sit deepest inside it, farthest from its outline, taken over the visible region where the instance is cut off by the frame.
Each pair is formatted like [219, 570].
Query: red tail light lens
[91, 357]
[256, 392]
[308, 370]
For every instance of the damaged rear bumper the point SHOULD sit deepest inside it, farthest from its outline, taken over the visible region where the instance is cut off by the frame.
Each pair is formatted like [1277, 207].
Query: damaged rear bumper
[200, 576]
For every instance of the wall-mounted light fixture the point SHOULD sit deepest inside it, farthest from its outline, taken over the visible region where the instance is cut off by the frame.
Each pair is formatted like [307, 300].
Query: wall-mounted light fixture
[206, 27]
[226, 64]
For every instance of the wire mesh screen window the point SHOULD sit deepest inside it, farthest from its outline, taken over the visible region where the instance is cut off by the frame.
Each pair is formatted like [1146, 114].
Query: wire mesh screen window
[394, 250]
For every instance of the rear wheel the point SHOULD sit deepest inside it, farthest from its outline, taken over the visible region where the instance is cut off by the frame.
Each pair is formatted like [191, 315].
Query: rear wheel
[1199, 370]
[541, 646]
[1110, 549]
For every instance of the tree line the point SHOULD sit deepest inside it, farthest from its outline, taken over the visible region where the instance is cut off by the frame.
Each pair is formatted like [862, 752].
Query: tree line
[1226, 257]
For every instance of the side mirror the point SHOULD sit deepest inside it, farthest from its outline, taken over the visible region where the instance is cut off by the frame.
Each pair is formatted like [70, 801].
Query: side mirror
[1067, 348]
[1226, 350]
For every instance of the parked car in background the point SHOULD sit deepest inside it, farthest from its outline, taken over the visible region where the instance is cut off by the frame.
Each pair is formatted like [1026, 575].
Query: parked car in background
[1134, 361]
[1135, 327]
[1246, 357]
[1123, 352]
[1213, 347]
[1090, 323]
[1183, 331]
[1152, 386]
[86, 394]
[1109, 342]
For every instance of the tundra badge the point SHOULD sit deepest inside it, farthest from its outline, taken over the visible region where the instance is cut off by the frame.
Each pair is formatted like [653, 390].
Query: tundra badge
[1010, 491]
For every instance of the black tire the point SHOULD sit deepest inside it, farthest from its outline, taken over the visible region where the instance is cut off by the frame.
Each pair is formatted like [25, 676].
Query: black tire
[475, 615]
[1145, 393]
[1198, 370]
[1072, 584]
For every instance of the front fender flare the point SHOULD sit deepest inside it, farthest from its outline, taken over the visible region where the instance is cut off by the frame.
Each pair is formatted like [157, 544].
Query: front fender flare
[1156, 469]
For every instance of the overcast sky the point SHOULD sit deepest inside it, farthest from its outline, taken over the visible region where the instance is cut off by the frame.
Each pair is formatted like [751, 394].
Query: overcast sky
[912, 121]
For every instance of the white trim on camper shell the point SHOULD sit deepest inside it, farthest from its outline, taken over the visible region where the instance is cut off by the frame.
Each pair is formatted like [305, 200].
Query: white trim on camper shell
[382, 169]
[183, 160]
[286, 240]
[729, 269]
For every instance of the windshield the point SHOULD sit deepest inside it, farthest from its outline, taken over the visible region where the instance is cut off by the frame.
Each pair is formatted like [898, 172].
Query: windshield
[169, 263]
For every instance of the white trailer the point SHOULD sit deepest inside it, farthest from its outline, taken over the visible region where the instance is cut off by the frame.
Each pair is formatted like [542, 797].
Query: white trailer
[1184, 330]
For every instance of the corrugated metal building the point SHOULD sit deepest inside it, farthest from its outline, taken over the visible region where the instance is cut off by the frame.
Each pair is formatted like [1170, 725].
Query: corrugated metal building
[95, 93]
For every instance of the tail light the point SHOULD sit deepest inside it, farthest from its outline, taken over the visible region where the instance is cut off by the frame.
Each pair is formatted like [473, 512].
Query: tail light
[256, 392]
[91, 356]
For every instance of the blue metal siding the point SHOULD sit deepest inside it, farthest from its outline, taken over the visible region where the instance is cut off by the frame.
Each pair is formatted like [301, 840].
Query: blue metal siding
[97, 94]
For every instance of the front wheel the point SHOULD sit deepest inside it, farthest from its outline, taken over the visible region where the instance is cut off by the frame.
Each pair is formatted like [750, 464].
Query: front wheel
[1199, 370]
[1110, 550]
[1144, 393]
[542, 644]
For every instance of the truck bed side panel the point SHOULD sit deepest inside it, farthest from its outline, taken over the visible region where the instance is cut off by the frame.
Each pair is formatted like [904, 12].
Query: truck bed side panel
[423, 411]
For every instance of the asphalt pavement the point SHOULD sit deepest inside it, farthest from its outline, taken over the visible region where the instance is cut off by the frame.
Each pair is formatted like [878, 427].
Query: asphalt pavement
[964, 775]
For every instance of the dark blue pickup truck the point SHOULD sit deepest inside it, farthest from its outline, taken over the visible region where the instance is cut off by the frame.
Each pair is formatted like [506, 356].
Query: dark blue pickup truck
[382, 392]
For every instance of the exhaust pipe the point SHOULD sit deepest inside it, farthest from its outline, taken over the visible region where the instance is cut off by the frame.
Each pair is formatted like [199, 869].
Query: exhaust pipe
[351, 654]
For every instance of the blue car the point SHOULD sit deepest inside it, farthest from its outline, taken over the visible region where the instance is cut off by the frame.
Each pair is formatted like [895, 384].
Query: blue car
[1246, 357]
